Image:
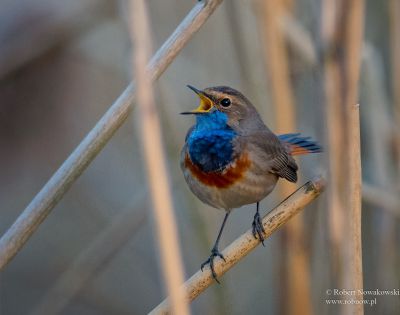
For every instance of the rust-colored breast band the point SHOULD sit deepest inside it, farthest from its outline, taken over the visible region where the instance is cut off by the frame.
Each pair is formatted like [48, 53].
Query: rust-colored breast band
[233, 173]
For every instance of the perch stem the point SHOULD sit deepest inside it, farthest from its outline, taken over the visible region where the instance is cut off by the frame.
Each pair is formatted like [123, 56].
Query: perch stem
[243, 245]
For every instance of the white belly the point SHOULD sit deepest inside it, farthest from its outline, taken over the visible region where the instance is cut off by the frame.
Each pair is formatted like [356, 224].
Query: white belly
[250, 189]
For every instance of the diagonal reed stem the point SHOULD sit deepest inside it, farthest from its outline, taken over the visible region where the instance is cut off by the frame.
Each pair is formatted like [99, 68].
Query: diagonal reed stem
[52, 192]
[244, 244]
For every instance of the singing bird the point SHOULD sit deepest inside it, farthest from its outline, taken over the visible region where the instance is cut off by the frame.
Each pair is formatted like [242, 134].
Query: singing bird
[231, 158]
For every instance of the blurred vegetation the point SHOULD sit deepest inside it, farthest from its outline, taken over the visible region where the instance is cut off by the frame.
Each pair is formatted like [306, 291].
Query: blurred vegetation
[61, 66]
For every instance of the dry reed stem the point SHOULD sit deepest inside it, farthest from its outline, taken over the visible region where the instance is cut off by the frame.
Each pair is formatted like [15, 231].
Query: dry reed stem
[353, 257]
[244, 244]
[278, 67]
[52, 192]
[353, 271]
[155, 160]
[342, 35]
[295, 270]
[333, 118]
[300, 40]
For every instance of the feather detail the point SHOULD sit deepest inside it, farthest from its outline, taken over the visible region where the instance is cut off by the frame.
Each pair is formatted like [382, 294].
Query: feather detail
[298, 145]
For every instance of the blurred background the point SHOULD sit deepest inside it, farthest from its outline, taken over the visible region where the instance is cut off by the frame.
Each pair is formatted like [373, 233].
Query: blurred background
[63, 63]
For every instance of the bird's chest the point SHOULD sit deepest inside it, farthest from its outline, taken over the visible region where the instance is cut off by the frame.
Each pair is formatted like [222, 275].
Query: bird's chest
[213, 161]
[212, 150]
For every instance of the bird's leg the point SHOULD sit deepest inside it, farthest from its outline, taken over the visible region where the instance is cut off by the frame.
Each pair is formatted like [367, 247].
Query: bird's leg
[214, 251]
[258, 228]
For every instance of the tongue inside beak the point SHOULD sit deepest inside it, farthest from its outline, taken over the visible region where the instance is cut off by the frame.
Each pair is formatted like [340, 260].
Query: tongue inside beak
[205, 102]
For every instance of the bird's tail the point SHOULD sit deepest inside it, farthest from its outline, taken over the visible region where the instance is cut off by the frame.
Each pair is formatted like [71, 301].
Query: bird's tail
[298, 145]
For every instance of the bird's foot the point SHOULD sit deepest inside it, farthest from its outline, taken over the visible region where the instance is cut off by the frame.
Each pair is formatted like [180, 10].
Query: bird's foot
[258, 228]
[214, 253]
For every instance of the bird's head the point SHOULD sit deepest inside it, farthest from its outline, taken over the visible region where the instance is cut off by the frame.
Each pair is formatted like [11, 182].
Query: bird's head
[225, 101]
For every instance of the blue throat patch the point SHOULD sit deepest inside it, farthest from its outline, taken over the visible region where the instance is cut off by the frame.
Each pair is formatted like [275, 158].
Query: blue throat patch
[210, 142]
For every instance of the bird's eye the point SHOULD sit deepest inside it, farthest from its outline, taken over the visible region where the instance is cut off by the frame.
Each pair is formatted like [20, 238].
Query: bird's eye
[225, 102]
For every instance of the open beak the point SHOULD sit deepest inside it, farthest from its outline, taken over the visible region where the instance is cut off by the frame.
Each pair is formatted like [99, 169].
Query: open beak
[206, 103]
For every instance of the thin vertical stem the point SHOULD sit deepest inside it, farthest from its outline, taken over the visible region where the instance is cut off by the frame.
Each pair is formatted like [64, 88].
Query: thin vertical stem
[342, 33]
[335, 136]
[296, 273]
[353, 256]
[278, 67]
[352, 63]
[150, 131]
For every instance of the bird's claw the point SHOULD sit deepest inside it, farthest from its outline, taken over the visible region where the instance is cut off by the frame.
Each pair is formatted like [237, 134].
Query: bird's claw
[214, 253]
[258, 228]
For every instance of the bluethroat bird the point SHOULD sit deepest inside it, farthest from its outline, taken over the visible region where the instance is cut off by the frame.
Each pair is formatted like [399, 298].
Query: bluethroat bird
[231, 158]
